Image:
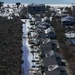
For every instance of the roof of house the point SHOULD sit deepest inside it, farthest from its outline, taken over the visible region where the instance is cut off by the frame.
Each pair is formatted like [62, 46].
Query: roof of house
[55, 73]
[72, 41]
[46, 44]
[49, 61]
[52, 73]
[44, 25]
[64, 10]
[47, 21]
[47, 30]
[70, 34]
[37, 74]
[54, 54]
[60, 68]
[46, 47]
[51, 35]
[45, 18]
[42, 35]
[68, 18]
[38, 18]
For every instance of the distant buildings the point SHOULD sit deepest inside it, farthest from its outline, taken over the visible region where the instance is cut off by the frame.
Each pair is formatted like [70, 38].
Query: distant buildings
[73, 9]
[36, 8]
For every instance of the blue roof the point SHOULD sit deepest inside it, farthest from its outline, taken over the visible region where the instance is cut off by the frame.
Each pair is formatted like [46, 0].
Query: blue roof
[68, 18]
[72, 41]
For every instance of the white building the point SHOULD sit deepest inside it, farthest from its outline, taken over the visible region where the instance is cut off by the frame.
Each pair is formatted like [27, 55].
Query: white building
[70, 35]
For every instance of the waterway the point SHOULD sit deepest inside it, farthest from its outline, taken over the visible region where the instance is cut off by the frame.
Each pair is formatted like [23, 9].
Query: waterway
[27, 56]
[26, 64]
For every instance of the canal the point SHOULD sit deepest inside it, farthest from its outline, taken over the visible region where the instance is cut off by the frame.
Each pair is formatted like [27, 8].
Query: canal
[26, 56]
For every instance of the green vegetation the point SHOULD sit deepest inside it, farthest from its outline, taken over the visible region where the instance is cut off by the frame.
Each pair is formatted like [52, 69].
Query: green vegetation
[66, 48]
[10, 46]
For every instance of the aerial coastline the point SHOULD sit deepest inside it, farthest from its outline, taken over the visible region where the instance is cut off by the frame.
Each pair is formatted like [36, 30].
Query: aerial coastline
[40, 39]
[54, 5]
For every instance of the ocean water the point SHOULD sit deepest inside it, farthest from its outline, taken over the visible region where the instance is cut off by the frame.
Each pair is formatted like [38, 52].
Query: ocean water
[40, 1]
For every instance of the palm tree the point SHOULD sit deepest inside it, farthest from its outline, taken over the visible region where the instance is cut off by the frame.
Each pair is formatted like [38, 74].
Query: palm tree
[18, 4]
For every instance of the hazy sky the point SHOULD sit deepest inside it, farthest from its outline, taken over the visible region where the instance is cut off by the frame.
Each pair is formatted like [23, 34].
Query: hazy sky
[41, 1]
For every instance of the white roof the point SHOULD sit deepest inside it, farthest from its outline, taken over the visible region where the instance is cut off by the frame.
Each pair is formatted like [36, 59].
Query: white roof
[16, 14]
[10, 9]
[70, 35]
[23, 20]
[33, 19]
[9, 17]
[51, 18]
[52, 67]
[47, 30]
[64, 10]
[4, 14]
[33, 34]
[46, 40]
[45, 18]
[51, 53]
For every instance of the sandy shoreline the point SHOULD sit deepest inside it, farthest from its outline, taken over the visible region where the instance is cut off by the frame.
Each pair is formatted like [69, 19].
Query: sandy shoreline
[53, 5]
